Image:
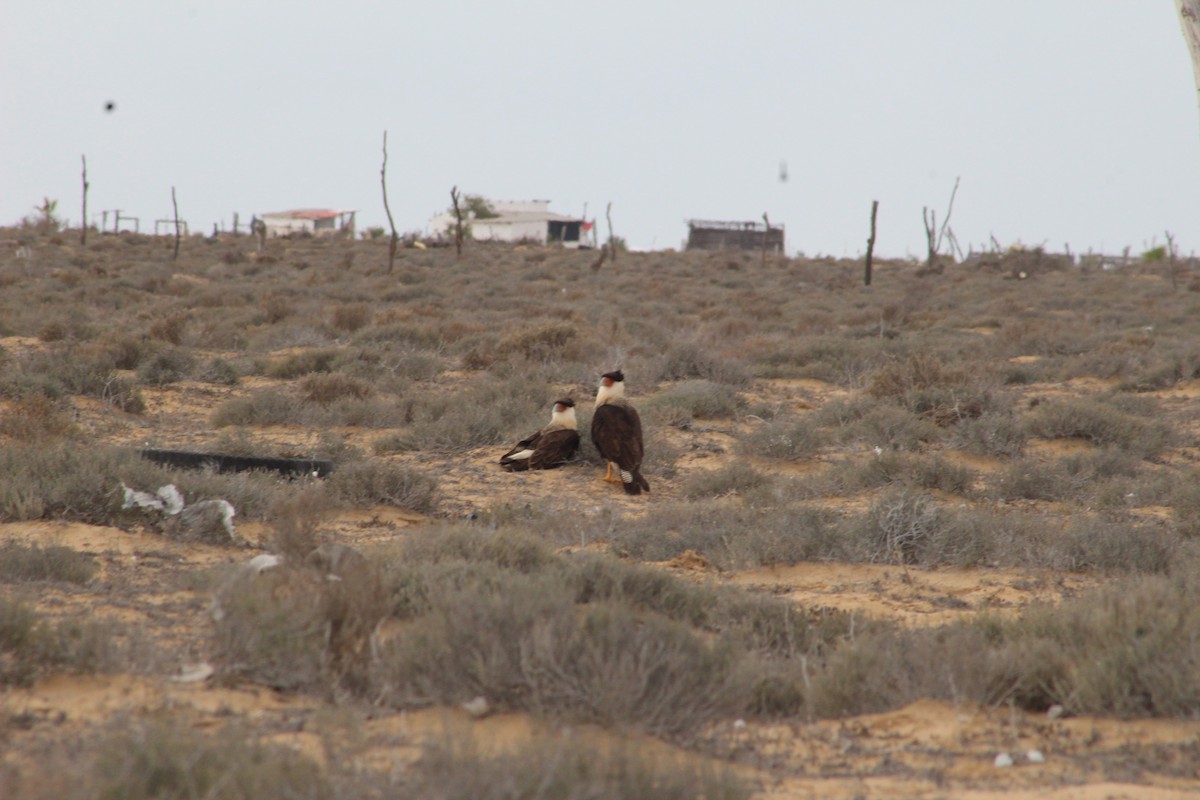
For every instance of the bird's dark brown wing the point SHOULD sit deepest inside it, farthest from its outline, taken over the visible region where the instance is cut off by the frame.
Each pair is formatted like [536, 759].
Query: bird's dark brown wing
[617, 434]
[554, 448]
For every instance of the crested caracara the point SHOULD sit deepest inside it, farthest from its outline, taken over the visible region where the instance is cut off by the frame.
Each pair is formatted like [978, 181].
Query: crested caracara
[551, 446]
[617, 433]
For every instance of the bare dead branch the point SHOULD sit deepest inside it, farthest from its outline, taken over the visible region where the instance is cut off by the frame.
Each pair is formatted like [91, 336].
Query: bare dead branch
[84, 226]
[383, 182]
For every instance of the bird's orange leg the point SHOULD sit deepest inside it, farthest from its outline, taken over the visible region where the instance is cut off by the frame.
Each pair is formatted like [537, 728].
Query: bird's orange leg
[608, 476]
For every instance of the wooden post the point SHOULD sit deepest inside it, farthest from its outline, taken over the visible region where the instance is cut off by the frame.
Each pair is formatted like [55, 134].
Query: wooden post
[84, 226]
[766, 238]
[870, 244]
[612, 244]
[458, 226]
[383, 182]
[235, 223]
[175, 205]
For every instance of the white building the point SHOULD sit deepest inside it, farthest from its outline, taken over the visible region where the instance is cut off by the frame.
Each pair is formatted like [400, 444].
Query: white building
[519, 221]
[313, 221]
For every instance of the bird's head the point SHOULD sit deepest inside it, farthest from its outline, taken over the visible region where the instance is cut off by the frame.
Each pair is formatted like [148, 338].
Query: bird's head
[612, 387]
[564, 413]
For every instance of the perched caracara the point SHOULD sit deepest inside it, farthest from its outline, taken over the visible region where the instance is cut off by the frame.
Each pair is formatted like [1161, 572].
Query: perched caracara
[551, 446]
[617, 433]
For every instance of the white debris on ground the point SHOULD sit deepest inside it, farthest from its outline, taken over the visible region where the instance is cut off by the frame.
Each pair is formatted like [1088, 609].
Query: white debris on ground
[169, 501]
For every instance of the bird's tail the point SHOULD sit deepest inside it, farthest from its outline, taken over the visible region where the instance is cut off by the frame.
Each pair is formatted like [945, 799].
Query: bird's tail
[633, 481]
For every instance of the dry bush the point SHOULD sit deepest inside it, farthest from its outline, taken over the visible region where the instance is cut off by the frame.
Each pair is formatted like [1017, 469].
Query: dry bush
[350, 317]
[521, 643]
[23, 563]
[730, 537]
[369, 483]
[32, 646]
[738, 479]
[694, 399]
[169, 329]
[296, 365]
[165, 756]
[263, 407]
[36, 417]
[563, 767]
[787, 438]
[166, 366]
[325, 388]
[1101, 421]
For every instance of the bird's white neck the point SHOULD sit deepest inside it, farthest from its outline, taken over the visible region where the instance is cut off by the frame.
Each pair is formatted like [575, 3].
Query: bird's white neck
[608, 394]
[564, 418]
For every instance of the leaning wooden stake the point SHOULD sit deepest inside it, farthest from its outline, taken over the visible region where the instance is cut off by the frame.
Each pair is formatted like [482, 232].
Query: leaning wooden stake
[612, 242]
[83, 227]
[175, 205]
[383, 181]
[458, 226]
[766, 238]
[870, 244]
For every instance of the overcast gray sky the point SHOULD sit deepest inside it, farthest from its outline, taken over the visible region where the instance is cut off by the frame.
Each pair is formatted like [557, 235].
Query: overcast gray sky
[1070, 122]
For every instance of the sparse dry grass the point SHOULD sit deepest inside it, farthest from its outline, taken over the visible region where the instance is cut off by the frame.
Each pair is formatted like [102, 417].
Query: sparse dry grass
[1078, 462]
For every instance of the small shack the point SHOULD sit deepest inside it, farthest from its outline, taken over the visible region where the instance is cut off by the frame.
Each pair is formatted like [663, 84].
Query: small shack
[311, 221]
[715, 235]
[519, 221]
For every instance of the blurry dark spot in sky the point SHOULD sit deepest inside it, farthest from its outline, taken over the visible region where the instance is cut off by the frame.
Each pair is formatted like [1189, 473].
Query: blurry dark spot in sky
[110, 107]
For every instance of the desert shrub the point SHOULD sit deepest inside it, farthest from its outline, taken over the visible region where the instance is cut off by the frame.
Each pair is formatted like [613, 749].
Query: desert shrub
[262, 407]
[997, 434]
[36, 417]
[1129, 649]
[787, 438]
[923, 384]
[303, 363]
[888, 427]
[166, 366]
[565, 768]
[326, 387]
[61, 480]
[898, 528]
[220, 371]
[737, 478]
[165, 756]
[370, 483]
[169, 328]
[32, 645]
[684, 361]
[1034, 479]
[730, 537]
[690, 400]
[351, 317]
[1099, 421]
[522, 644]
[484, 412]
[887, 468]
[547, 341]
[296, 520]
[85, 371]
[20, 562]
[1090, 543]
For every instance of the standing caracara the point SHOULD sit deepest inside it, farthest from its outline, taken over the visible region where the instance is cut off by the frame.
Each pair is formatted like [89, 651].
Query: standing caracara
[551, 446]
[617, 433]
